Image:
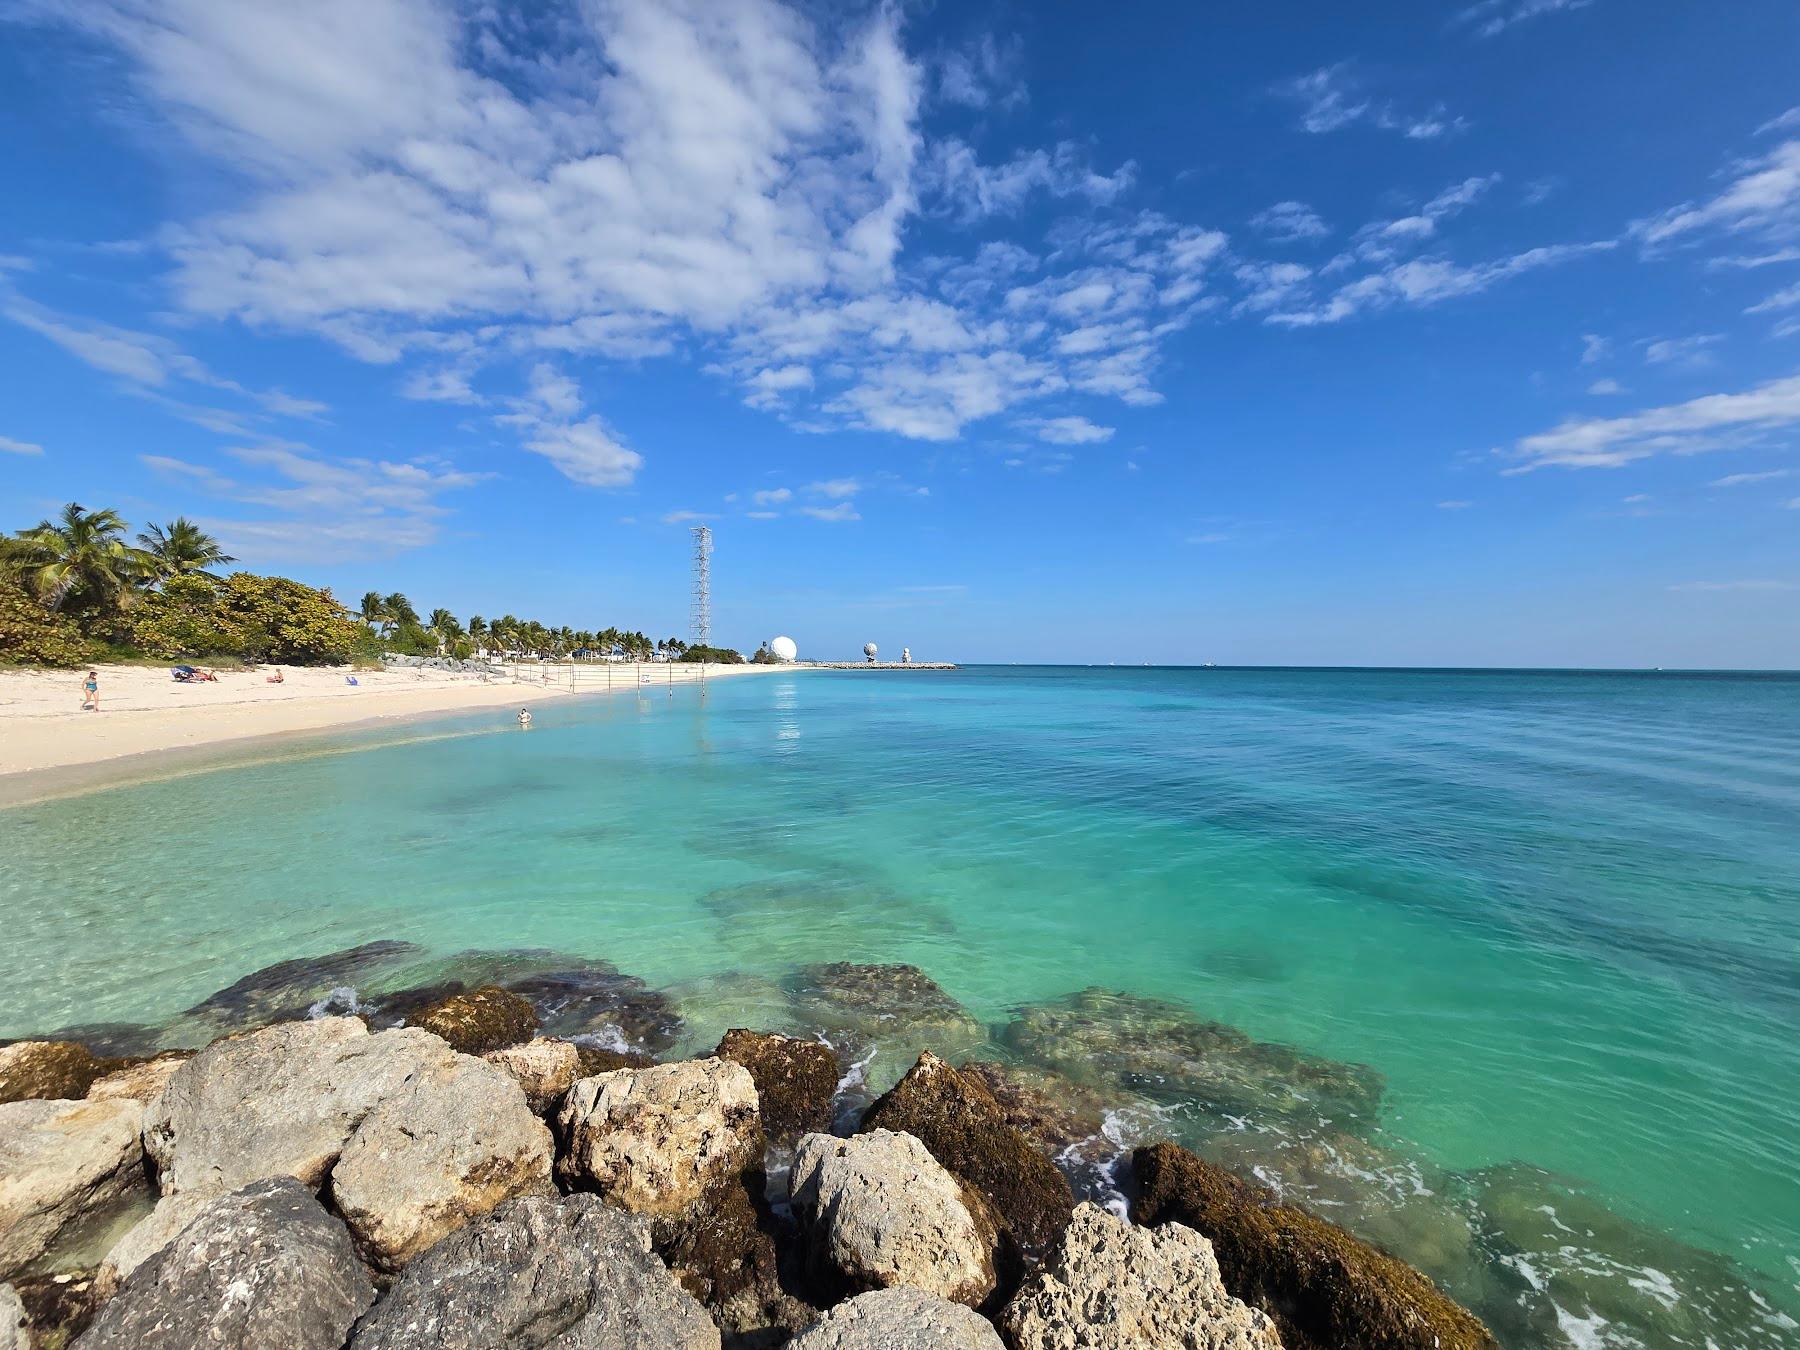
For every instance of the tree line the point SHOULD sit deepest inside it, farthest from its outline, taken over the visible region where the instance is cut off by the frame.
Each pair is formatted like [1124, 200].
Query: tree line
[77, 589]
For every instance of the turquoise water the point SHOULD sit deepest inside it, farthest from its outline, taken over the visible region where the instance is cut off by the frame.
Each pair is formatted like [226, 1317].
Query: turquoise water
[1557, 914]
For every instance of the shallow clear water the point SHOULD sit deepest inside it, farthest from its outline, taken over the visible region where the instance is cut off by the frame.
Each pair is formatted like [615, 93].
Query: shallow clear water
[1558, 914]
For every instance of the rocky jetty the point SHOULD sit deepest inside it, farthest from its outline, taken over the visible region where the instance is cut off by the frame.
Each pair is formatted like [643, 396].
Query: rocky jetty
[477, 1178]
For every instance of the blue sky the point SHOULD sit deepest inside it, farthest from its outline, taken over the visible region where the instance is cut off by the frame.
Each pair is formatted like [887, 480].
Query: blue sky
[1463, 335]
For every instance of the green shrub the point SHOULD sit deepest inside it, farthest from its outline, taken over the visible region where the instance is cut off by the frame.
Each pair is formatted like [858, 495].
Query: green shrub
[274, 619]
[31, 635]
[718, 656]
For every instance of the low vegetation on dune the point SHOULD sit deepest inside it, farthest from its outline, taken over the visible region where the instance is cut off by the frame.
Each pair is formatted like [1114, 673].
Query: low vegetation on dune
[76, 589]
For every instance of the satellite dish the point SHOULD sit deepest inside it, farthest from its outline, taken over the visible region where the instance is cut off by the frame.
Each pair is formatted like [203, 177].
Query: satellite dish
[869, 651]
[783, 649]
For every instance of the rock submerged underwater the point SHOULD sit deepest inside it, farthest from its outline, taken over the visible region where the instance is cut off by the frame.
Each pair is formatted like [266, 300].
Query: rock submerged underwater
[473, 1160]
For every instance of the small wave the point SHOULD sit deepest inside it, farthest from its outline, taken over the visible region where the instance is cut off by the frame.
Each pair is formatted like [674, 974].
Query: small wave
[340, 1002]
[605, 1038]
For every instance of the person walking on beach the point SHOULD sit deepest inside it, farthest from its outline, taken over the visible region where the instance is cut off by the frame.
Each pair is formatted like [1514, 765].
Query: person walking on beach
[90, 692]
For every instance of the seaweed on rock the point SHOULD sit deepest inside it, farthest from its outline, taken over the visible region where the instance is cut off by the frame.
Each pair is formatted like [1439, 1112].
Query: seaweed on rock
[288, 989]
[1323, 1287]
[1157, 1049]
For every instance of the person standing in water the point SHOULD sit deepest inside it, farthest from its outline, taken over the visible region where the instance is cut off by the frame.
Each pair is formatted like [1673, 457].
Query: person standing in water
[524, 717]
[90, 692]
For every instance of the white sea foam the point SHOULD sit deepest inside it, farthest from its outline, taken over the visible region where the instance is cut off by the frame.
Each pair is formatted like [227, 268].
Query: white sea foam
[340, 1002]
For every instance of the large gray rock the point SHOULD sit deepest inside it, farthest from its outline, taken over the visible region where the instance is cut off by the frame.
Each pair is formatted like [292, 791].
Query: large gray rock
[264, 1268]
[1110, 1286]
[880, 1211]
[543, 1067]
[282, 1101]
[573, 1273]
[899, 1319]
[63, 1164]
[452, 1143]
[654, 1140]
[13, 1335]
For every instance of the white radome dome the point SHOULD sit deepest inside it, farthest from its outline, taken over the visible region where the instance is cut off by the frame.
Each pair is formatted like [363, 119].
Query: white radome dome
[869, 651]
[783, 649]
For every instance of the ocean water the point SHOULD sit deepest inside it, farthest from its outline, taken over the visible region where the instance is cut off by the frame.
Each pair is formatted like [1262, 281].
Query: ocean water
[1500, 969]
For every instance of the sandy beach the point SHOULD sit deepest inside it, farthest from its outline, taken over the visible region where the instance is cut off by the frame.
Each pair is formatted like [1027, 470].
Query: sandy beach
[144, 713]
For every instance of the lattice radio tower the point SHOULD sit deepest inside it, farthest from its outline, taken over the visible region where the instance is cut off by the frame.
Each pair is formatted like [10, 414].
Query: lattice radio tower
[700, 620]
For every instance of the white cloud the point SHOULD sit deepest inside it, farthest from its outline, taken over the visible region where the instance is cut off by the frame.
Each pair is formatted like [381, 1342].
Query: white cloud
[1743, 479]
[1066, 430]
[550, 423]
[1716, 421]
[835, 488]
[1290, 222]
[1332, 98]
[147, 363]
[1594, 348]
[1428, 281]
[972, 191]
[1690, 352]
[773, 496]
[1606, 386]
[1490, 18]
[843, 511]
[11, 447]
[1763, 198]
[985, 73]
[1787, 298]
[687, 517]
[1455, 506]
[1780, 122]
[323, 510]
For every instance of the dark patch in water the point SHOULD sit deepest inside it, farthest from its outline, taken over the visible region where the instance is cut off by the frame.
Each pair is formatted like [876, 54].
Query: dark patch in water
[287, 989]
[1255, 964]
[573, 996]
[1151, 1048]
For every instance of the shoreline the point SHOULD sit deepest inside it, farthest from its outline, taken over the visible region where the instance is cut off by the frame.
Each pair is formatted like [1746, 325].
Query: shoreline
[163, 729]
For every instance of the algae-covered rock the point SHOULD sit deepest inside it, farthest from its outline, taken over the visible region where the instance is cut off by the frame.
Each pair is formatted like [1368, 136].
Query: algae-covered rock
[1324, 1288]
[288, 989]
[63, 1165]
[899, 1319]
[49, 1070]
[575, 998]
[741, 1261]
[653, 1141]
[594, 1060]
[263, 1266]
[1109, 1286]
[543, 1068]
[880, 1211]
[484, 1019]
[450, 1144]
[571, 1273]
[1160, 1050]
[1053, 1112]
[957, 1119]
[795, 1080]
[897, 1010]
[57, 1307]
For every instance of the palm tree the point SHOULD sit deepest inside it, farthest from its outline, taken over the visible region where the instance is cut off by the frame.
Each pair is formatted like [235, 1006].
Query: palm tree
[372, 610]
[81, 560]
[182, 547]
[398, 610]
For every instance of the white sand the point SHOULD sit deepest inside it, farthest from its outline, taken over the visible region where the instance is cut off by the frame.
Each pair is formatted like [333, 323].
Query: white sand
[143, 711]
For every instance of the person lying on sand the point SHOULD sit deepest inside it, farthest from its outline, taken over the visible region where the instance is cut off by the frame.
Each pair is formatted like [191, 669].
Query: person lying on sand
[276, 678]
[90, 692]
